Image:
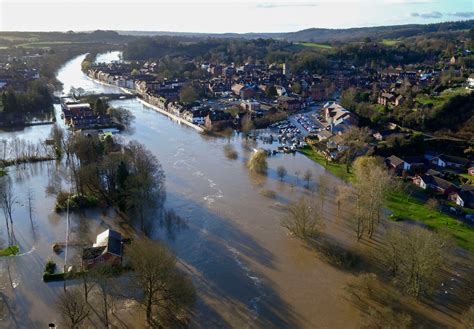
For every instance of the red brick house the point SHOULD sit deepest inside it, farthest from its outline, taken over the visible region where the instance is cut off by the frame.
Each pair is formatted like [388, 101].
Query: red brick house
[107, 249]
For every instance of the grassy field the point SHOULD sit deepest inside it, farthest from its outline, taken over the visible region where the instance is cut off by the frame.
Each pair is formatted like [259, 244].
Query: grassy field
[442, 98]
[336, 169]
[314, 45]
[404, 207]
[390, 42]
[44, 44]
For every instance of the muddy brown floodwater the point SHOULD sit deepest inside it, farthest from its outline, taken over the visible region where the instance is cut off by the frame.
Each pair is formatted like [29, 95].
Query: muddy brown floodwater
[248, 271]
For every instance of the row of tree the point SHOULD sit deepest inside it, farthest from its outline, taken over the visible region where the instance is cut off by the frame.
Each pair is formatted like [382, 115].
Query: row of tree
[163, 292]
[126, 176]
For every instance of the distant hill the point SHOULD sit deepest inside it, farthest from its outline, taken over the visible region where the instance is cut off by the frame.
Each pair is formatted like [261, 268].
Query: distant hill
[328, 35]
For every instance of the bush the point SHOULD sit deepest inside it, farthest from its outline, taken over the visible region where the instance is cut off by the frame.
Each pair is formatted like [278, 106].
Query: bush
[268, 193]
[50, 267]
[9, 251]
[258, 162]
[230, 152]
[76, 201]
[48, 277]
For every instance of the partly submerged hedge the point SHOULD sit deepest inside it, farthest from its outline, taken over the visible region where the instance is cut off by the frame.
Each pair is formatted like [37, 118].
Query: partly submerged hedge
[10, 251]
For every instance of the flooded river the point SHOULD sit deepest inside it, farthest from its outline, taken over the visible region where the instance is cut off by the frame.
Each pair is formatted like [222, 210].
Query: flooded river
[248, 271]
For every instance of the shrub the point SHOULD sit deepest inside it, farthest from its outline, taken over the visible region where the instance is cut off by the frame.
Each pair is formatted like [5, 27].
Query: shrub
[76, 201]
[230, 152]
[258, 162]
[268, 193]
[50, 267]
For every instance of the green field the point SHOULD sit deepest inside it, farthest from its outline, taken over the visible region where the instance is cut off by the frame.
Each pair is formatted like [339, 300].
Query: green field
[390, 42]
[442, 98]
[408, 208]
[314, 45]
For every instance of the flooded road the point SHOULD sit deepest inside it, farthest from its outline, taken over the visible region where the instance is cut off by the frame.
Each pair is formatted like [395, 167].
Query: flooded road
[248, 272]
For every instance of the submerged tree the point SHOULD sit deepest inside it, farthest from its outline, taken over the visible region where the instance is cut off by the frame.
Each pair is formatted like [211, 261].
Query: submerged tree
[167, 296]
[303, 219]
[366, 199]
[281, 172]
[414, 257]
[258, 162]
[73, 308]
[7, 201]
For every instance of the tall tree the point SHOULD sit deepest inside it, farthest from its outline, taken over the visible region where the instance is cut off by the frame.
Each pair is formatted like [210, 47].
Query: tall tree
[303, 220]
[415, 258]
[258, 162]
[73, 308]
[355, 141]
[167, 296]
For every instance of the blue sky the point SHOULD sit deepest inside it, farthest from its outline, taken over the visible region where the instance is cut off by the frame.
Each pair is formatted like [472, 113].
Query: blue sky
[224, 16]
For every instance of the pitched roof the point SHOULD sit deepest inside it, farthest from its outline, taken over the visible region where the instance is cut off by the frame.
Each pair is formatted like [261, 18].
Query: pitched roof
[437, 181]
[92, 252]
[111, 240]
[454, 159]
[394, 160]
[467, 194]
[413, 159]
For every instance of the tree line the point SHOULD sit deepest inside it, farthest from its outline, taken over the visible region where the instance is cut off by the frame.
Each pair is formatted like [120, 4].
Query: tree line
[126, 176]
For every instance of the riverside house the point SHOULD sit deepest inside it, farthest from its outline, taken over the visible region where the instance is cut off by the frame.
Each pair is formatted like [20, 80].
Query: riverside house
[107, 249]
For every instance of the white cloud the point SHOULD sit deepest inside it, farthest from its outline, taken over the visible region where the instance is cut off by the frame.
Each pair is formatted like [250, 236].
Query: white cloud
[463, 14]
[428, 15]
[269, 5]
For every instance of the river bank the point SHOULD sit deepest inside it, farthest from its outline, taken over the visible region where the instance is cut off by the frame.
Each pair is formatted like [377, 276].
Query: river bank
[156, 108]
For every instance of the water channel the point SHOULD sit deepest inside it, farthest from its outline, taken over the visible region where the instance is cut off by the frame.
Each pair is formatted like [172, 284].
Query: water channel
[248, 271]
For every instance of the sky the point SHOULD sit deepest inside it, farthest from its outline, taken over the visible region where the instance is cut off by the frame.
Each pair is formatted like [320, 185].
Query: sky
[224, 15]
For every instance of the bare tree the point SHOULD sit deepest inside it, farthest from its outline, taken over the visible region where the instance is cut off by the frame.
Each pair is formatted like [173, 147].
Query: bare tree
[102, 276]
[355, 140]
[303, 220]
[370, 188]
[281, 172]
[308, 174]
[297, 174]
[323, 189]
[247, 125]
[415, 257]
[467, 318]
[7, 200]
[30, 199]
[73, 308]
[167, 295]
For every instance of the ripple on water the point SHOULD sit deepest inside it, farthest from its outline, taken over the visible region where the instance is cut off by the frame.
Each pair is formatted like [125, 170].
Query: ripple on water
[254, 302]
